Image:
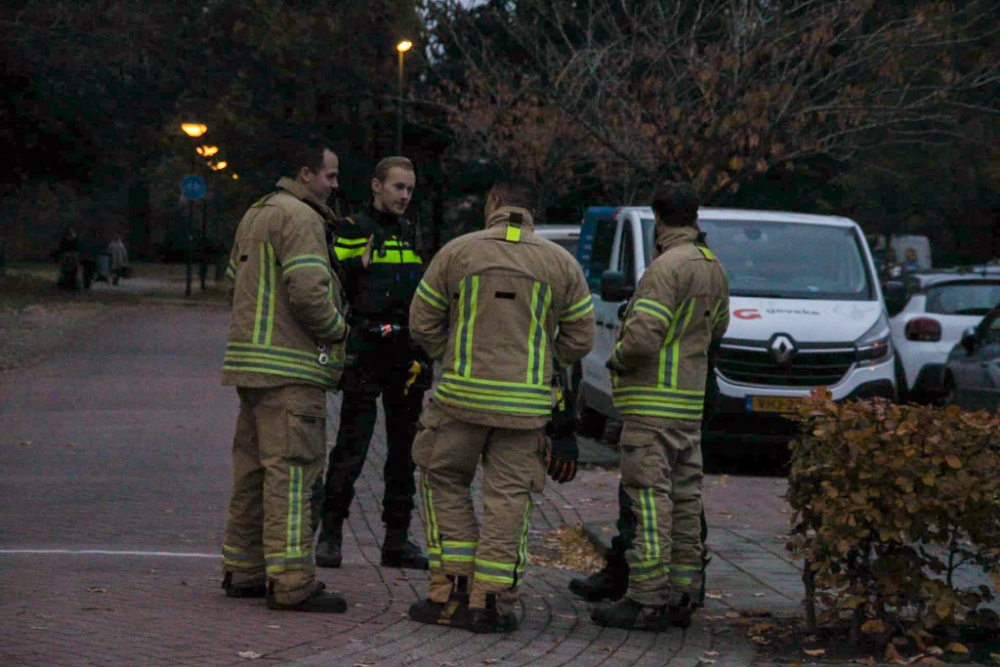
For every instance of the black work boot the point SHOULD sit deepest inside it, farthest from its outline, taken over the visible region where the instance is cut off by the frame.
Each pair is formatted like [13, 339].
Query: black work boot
[399, 551]
[320, 601]
[331, 537]
[632, 616]
[608, 584]
[453, 613]
[490, 620]
[233, 591]
[680, 610]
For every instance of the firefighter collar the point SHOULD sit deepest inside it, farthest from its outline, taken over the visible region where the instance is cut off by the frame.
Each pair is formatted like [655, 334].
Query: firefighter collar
[300, 191]
[671, 237]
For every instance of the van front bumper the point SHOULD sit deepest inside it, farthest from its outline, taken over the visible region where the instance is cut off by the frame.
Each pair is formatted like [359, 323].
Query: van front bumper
[730, 414]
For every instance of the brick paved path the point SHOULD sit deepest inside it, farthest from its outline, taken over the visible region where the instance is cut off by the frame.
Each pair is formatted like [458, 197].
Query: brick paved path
[114, 478]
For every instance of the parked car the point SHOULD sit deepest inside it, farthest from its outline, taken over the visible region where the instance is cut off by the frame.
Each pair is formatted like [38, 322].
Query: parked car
[938, 308]
[972, 372]
[806, 311]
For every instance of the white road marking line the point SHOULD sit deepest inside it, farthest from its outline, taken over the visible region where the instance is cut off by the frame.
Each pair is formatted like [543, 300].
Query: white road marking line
[103, 552]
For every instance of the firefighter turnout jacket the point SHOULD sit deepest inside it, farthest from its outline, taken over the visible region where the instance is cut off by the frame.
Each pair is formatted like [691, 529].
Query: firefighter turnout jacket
[681, 305]
[499, 307]
[286, 325]
[380, 293]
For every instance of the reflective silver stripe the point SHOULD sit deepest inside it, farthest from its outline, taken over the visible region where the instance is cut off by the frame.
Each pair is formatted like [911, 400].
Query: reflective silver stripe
[468, 297]
[578, 310]
[264, 322]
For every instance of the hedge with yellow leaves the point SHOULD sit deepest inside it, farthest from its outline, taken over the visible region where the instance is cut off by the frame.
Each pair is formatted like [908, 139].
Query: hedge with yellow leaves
[889, 501]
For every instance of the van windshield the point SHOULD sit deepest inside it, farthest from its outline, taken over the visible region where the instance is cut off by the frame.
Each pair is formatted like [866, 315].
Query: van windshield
[785, 260]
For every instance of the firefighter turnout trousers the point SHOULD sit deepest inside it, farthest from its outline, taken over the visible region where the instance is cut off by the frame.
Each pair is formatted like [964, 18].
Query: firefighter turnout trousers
[661, 468]
[447, 452]
[277, 456]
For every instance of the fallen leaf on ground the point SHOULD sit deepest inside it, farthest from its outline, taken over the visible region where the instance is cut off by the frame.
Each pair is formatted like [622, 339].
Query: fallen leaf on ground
[759, 595]
[934, 650]
[711, 653]
[893, 656]
[870, 660]
[95, 589]
[274, 627]
[995, 656]
[608, 648]
[757, 639]
[705, 661]
[930, 660]
[814, 651]
[26, 442]
[250, 655]
[491, 661]
[958, 648]
[713, 596]
[873, 627]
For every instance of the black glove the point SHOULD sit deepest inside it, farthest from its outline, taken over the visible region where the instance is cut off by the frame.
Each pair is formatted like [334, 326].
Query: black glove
[561, 432]
[563, 454]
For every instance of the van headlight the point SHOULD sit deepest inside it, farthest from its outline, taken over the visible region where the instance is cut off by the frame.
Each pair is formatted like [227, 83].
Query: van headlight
[874, 346]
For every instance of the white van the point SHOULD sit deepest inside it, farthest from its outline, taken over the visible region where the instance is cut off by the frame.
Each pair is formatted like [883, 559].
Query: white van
[806, 310]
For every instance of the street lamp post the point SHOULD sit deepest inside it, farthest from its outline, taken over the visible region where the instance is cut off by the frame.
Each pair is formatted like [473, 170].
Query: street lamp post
[193, 130]
[203, 260]
[402, 48]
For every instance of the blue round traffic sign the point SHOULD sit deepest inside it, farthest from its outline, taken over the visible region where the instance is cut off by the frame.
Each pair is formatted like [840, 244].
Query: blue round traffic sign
[193, 187]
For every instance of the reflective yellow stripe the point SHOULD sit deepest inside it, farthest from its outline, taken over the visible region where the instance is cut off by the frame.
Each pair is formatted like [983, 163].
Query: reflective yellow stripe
[677, 344]
[430, 524]
[654, 308]
[393, 257]
[304, 261]
[513, 233]
[468, 300]
[263, 317]
[577, 310]
[541, 297]
[522, 545]
[345, 253]
[351, 243]
[706, 252]
[293, 538]
[431, 296]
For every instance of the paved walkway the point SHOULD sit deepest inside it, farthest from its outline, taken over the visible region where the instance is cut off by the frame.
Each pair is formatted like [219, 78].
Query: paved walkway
[115, 473]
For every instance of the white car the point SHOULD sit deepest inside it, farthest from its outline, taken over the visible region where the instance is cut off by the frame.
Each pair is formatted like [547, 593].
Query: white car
[939, 308]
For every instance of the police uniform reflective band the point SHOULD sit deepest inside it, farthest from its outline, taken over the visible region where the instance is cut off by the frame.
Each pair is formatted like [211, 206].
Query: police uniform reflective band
[468, 301]
[348, 248]
[524, 399]
[687, 578]
[651, 565]
[273, 360]
[430, 524]
[577, 310]
[304, 261]
[654, 308]
[264, 318]
[541, 298]
[240, 559]
[398, 255]
[433, 298]
[457, 552]
[294, 557]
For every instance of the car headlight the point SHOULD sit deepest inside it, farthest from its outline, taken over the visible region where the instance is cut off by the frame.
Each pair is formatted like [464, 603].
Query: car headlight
[874, 345]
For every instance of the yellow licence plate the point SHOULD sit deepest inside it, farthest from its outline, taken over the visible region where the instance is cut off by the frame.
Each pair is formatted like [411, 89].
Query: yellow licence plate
[782, 405]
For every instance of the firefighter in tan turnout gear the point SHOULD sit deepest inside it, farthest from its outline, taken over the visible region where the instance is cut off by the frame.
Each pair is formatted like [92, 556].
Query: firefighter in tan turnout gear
[658, 371]
[285, 350]
[500, 307]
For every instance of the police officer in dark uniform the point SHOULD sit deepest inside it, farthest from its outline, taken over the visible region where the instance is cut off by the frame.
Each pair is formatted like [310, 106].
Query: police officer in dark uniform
[376, 249]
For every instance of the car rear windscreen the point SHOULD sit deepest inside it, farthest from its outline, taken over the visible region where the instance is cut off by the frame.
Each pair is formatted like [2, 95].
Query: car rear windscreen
[971, 298]
[787, 260]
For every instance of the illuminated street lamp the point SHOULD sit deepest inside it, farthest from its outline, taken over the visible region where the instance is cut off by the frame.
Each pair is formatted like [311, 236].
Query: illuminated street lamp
[217, 166]
[402, 47]
[236, 177]
[207, 151]
[194, 130]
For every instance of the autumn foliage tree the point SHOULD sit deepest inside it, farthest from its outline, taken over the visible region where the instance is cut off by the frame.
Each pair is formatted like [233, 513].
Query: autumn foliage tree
[730, 89]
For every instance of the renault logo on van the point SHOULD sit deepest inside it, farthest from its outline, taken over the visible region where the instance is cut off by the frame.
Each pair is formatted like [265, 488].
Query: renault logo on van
[782, 349]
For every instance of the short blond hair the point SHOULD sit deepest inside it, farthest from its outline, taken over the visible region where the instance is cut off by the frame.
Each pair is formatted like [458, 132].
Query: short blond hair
[387, 163]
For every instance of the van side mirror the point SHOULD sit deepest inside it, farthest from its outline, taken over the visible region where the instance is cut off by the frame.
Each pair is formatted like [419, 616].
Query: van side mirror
[969, 341]
[616, 287]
